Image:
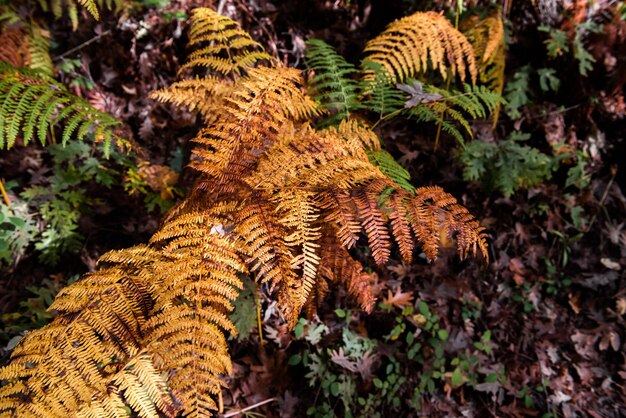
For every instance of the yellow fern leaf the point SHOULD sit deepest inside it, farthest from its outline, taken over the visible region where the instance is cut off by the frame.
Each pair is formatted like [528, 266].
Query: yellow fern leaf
[221, 45]
[263, 241]
[409, 45]
[253, 119]
[204, 95]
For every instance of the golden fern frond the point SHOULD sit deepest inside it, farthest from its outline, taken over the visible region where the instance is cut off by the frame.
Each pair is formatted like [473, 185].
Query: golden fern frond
[263, 240]
[98, 329]
[254, 116]
[409, 45]
[298, 216]
[357, 135]
[221, 45]
[194, 287]
[91, 7]
[140, 385]
[57, 7]
[204, 95]
[306, 158]
[487, 38]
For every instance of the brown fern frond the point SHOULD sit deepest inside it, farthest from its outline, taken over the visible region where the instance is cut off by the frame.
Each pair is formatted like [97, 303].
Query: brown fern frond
[337, 266]
[221, 45]
[433, 210]
[263, 241]
[14, 48]
[341, 210]
[374, 220]
[400, 225]
[409, 45]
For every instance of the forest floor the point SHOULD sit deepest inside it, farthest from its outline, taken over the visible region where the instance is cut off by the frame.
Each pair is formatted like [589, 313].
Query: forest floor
[538, 330]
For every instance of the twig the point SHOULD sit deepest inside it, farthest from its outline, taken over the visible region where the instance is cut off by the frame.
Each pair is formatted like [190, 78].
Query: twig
[81, 46]
[5, 196]
[248, 408]
[257, 302]
[220, 7]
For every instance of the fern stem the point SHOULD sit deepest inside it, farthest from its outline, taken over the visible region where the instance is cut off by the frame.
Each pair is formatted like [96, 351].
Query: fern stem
[5, 196]
[248, 408]
[257, 303]
[387, 116]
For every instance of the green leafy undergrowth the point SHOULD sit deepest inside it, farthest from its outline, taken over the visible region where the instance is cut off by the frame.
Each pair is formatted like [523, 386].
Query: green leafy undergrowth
[44, 215]
[32, 312]
[355, 375]
[510, 165]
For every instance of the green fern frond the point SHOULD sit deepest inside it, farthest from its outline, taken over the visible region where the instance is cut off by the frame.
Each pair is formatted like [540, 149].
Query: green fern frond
[332, 85]
[378, 92]
[32, 104]
[390, 167]
[476, 102]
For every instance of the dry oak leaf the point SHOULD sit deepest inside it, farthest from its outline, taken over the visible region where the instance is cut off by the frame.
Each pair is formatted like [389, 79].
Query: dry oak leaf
[399, 299]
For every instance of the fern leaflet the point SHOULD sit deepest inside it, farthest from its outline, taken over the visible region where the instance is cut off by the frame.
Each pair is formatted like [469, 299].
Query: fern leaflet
[333, 86]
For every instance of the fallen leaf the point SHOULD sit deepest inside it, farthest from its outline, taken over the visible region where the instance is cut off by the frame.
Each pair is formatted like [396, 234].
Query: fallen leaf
[399, 299]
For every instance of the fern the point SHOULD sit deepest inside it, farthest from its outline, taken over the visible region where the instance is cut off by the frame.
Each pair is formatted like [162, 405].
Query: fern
[379, 93]
[26, 48]
[220, 46]
[476, 102]
[389, 167]
[32, 104]
[409, 45]
[276, 199]
[332, 84]
[487, 38]
[57, 7]
[506, 166]
[408, 48]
